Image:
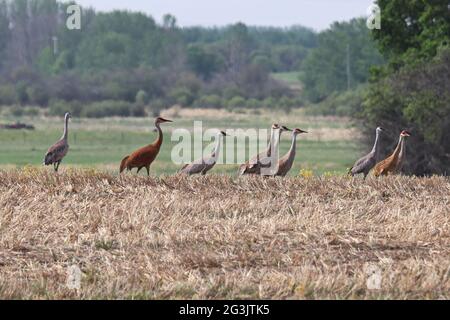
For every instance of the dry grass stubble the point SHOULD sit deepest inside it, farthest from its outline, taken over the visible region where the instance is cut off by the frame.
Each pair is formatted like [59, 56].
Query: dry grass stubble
[220, 237]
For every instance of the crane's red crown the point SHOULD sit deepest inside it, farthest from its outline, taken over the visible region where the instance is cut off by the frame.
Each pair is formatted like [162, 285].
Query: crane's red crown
[298, 131]
[405, 133]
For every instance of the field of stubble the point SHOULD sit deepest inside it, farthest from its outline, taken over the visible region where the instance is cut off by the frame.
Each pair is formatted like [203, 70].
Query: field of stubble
[221, 237]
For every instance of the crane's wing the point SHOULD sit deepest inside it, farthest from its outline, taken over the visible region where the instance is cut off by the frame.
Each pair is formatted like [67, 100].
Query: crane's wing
[193, 168]
[56, 152]
[364, 164]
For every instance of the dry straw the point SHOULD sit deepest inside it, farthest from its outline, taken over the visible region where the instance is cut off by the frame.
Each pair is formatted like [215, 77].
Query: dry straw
[221, 237]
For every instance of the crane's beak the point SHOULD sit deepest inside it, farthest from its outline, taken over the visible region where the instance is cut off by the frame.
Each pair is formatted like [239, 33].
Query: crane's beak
[286, 128]
[303, 131]
[166, 120]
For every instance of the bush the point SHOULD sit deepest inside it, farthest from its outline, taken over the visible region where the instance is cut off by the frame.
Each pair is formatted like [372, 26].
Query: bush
[21, 92]
[182, 96]
[17, 111]
[210, 101]
[107, 108]
[60, 107]
[141, 98]
[237, 102]
[156, 106]
[31, 112]
[37, 95]
[347, 103]
[8, 95]
[138, 111]
[253, 103]
[269, 103]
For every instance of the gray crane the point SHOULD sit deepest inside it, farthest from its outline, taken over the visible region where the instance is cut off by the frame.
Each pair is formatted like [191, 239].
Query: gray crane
[254, 165]
[202, 166]
[58, 151]
[286, 162]
[366, 163]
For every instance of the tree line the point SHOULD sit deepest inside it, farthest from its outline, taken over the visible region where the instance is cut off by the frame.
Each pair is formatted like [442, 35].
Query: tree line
[139, 63]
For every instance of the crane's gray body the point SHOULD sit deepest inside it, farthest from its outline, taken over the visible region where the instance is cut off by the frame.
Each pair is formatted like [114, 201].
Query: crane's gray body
[203, 165]
[366, 163]
[59, 150]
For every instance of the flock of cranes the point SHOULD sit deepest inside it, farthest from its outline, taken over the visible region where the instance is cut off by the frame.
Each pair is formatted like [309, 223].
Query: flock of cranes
[144, 157]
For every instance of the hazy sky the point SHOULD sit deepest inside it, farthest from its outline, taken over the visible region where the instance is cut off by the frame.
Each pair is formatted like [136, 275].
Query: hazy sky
[317, 14]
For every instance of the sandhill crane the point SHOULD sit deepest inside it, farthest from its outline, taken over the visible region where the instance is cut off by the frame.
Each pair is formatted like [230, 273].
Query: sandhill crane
[394, 163]
[286, 162]
[254, 165]
[144, 157]
[58, 151]
[366, 163]
[202, 166]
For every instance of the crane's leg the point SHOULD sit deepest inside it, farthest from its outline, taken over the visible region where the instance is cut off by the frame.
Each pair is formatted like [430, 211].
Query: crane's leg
[139, 169]
[57, 166]
[148, 170]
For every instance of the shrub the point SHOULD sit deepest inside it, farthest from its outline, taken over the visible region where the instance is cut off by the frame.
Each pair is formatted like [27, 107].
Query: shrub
[31, 112]
[182, 96]
[141, 98]
[156, 106]
[253, 103]
[17, 111]
[237, 102]
[269, 103]
[107, 108]
[37, 95]
[60, 107]
[21, 92]
[138, 111]
[7, 95]
[209, 101]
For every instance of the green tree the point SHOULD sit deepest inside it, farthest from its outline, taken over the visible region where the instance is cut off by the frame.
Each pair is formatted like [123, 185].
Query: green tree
[203, 63]
[413, 91]
[344, 45]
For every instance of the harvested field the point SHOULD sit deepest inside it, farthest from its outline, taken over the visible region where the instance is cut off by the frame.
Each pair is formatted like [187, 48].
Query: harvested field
[220, 237]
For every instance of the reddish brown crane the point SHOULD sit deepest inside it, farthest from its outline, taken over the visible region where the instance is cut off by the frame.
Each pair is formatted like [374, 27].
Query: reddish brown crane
[145, 156]
[393, 164]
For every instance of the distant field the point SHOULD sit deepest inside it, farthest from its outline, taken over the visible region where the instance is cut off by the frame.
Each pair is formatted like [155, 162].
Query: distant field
[329, 147]
[219, 237]
[290, 78]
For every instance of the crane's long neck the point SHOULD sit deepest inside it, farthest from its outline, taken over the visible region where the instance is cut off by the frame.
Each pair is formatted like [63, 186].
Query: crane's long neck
[159, 140]
[376, 146]
[402, 148]
[399, 150]
[66, 128]
[217, 148]
[293, 148]
[272, 141]
[269, 145]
